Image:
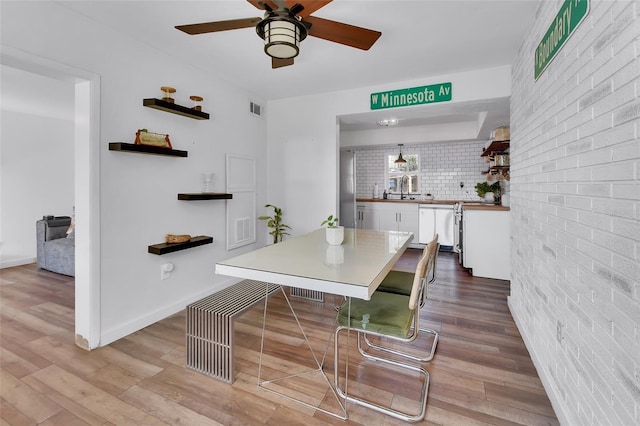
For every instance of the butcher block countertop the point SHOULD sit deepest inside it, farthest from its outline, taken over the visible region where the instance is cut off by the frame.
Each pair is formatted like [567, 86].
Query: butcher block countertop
[485, 207]
[395, 201]
[469, 205]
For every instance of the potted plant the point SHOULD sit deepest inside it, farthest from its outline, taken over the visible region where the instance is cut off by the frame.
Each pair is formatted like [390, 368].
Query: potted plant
[489, 192]
[279, 229]
[334, 233]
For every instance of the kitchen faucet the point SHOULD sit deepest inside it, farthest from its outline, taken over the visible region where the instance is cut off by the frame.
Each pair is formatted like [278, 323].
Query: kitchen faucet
[402, 180]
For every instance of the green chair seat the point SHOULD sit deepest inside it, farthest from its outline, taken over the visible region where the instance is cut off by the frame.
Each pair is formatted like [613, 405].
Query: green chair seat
[384, 313]
[397, 282]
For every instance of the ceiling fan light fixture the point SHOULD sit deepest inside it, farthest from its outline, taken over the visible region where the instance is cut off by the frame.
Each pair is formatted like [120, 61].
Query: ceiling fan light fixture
[282, 35]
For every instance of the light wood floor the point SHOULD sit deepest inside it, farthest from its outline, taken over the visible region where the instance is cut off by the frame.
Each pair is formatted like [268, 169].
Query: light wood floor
[482, 373]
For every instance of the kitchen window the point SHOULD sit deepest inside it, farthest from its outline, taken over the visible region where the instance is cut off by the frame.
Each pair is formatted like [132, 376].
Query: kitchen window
[396, 172]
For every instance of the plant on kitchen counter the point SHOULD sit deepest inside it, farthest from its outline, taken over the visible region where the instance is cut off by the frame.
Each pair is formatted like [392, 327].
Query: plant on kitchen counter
[275, 223]
[331, 222]
[483, 187]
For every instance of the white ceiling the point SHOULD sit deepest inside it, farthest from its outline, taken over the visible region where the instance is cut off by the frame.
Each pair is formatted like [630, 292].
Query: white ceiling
[419, 38]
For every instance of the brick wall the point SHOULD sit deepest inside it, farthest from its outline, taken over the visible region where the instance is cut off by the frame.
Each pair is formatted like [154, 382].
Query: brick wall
[443, 166]
[575, 197]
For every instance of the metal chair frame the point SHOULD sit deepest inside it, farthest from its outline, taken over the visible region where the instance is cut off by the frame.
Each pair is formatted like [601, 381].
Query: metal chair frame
[414, 306]
[414, 335]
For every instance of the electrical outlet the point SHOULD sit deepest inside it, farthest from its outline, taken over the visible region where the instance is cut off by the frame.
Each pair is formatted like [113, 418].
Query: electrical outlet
[165, 270]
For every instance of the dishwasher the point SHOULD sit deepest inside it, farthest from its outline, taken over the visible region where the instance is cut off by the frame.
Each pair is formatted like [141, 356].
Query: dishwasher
[437, 218]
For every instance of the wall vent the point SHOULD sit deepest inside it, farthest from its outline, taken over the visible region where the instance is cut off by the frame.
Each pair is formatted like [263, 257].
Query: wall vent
[256, 109]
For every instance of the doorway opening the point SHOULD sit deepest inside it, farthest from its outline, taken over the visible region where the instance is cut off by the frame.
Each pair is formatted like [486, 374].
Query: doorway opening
[86, 185]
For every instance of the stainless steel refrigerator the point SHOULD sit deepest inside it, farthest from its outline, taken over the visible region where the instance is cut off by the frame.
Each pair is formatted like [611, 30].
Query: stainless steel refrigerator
[347, 212]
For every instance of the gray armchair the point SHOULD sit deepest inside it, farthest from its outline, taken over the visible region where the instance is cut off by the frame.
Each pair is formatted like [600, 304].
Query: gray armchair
[56, 250]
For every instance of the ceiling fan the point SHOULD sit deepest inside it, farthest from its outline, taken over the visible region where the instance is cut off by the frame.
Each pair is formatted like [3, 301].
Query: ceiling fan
[286, 23]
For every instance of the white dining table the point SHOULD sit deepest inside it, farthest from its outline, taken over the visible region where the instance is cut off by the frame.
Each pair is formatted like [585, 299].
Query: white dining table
[353, 269]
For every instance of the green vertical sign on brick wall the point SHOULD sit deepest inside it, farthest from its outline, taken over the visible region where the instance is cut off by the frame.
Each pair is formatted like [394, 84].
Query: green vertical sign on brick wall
[570, 15]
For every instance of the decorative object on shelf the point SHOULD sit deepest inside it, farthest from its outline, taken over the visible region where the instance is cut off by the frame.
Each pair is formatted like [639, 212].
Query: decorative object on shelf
[279, 229]
[172, 238]
[196, 102]
[207, 180]
[144, 137]
[146, 149]
[400, 160]
[167, 91]
[334, 232]
[501, 159]
[501, 133]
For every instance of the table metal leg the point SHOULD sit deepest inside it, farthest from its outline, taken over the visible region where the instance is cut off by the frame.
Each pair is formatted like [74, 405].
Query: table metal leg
[319, 362]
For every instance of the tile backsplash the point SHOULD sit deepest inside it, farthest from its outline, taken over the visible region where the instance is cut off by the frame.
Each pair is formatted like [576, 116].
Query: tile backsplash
[442, 167]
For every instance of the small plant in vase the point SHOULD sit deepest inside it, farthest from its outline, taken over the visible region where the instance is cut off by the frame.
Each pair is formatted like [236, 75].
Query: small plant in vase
[279, 229]
[334, 233]
[484, 188]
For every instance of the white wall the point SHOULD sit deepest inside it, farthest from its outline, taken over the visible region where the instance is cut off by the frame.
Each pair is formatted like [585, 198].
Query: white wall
[36, 159]
[303, 140]
[575, 156]
[138, 193]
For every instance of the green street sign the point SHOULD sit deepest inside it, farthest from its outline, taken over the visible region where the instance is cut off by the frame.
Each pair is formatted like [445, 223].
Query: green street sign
[570, 15]
[412, 96]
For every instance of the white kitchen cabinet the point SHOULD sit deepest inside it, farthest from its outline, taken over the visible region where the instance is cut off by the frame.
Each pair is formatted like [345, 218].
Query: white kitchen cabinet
[392, 216]
[364, 216]
[487, 243]
[436, 218]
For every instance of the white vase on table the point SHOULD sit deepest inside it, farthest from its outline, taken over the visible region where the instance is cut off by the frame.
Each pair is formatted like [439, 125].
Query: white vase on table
[335, 235]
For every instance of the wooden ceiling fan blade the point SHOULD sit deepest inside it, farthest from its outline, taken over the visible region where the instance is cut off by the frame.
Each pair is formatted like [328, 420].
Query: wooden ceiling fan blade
[310, 6]
[338, 32]
[212, 27]
[260, 4]
[278, 63]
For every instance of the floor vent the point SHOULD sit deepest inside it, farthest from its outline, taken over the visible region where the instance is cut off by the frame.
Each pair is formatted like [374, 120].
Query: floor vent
[303, 293]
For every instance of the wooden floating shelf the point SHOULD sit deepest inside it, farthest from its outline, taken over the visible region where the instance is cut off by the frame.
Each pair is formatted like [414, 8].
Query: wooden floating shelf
[205, 196]
[495, 168]
[175, 109]
[495, 146]
[146, 149]
[164, 248]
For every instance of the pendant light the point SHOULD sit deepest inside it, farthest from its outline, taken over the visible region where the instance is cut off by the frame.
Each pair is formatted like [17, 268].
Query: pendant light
[400, 160]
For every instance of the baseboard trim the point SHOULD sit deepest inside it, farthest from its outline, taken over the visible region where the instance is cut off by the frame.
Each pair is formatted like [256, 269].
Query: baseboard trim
[557, 404]
[123, 330]
[17, 262]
